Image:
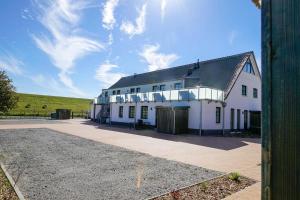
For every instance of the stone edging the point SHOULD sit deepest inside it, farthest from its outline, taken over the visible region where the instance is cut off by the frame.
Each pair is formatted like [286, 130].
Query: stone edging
[12, 183]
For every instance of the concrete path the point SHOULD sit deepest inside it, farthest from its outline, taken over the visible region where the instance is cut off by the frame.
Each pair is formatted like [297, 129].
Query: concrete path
[222, 154]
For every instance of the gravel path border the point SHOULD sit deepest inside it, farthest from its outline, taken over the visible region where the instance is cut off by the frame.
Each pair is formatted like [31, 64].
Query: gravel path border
[60, 166]
[12, 183]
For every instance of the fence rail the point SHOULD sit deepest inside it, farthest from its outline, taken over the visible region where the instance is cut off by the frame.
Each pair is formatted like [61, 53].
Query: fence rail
[170, 95]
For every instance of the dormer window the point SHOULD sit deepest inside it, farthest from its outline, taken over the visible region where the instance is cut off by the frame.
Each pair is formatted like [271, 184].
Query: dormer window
[177, 86]
[248, 68]
[154, 88]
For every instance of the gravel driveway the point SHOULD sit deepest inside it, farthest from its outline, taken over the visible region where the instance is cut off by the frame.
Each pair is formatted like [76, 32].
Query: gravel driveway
[54, 165]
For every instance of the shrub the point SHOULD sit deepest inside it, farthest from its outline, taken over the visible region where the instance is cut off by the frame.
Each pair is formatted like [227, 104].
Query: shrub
[234, 176]
[204, 185]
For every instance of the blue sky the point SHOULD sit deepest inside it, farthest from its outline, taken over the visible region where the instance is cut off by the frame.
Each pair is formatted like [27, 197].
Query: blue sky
[76, 48]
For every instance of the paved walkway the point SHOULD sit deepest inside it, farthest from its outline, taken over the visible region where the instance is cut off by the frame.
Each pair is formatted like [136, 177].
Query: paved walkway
[217, 153]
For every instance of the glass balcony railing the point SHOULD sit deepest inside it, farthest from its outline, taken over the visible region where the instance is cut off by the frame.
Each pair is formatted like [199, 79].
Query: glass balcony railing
[103, 100]
[170, 95]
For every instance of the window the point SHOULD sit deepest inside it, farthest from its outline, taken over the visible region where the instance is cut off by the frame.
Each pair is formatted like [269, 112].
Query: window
[162, 87]
[248, 68]
[244, 90]
[144, 112]
[177, 86]
[218, 114]
[131, 112]
[118, 91]
[106, 94]
[121, 111]
[132, 90]
[154, 88]
[254, 93]
[114, 92]
[138, 90]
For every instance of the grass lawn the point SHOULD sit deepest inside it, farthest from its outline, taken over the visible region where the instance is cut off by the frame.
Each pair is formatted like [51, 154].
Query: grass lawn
[6, 190]
[36, 102]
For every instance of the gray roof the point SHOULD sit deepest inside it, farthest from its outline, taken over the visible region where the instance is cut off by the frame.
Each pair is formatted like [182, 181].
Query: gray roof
[215, 73]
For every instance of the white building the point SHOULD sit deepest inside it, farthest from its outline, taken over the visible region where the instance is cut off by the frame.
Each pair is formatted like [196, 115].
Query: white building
[212, 96]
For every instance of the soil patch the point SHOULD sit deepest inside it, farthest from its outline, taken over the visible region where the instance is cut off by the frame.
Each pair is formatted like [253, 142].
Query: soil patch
[6, 190]
[214, 189]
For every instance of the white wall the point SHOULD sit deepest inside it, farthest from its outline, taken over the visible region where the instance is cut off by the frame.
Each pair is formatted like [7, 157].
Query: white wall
[97, 110]
[126, 119]
[236, 100]
[209, 115]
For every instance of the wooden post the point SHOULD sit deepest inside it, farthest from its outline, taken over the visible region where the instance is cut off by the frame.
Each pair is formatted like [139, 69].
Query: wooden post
[281, 99]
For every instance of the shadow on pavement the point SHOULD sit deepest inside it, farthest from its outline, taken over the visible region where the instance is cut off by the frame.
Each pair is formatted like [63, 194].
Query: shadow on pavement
[217, 142]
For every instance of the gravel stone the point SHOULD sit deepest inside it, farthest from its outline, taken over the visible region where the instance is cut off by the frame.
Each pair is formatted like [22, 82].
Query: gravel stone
[54, 165]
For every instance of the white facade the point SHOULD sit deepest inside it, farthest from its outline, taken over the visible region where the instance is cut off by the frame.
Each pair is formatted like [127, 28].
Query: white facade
[202, 110]
[94, 111]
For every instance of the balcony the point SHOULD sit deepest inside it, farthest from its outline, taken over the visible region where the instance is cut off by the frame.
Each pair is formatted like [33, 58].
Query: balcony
[170, 95]
[103, 100]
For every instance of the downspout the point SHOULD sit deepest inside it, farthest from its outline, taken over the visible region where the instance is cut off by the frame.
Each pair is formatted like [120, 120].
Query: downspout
[223, 116]
[110, 113]
[200, 119]
[135, 112]
[174, 131]
[94, 112]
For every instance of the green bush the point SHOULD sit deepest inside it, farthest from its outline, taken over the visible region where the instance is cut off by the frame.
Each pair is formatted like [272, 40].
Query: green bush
[204, 185]
[234, 176]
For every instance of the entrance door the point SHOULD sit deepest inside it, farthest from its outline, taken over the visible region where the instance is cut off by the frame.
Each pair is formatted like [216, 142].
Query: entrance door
[245, 119]
[232, 119]
[181, 121]
[238, 120]
[165, 120]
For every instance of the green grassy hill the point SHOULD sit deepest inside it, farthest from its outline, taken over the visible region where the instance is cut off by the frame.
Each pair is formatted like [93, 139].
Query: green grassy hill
[42, 105]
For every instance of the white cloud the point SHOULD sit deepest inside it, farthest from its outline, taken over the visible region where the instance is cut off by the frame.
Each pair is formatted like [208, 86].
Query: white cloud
[140, 23]
[232, 37]
[26, 15]
[108, 18]
[49, 84]
[11, 64]
[110, 39]
[155, 59]
[105, 75]
[52, 86]
[163, 5]
[64, 47]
